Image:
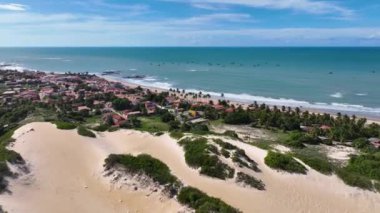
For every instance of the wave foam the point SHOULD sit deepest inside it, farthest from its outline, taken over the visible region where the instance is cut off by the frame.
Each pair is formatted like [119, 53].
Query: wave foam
[337, 95]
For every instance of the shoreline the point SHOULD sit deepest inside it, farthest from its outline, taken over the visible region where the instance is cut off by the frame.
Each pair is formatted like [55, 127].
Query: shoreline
[370, 119]
[215, 98]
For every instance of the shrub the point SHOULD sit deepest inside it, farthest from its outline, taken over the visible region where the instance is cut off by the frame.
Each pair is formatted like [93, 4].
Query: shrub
[250, 181]
[176, 134]
[143, 164]
[201, 202]
[231, 134]
[225, 145]
[225, 153]
[65, 125]
[121, 104]
[319, 164]
[113, 129]
[85, 132]
[197, 156]
[101, 128]
[243, 160]
[353, 179]
[360, 143]
[167, 117]
[239, 117]
[284, 162]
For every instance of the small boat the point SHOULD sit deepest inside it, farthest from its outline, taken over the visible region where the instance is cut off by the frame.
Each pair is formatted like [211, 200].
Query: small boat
[111, 72]
[135, 77]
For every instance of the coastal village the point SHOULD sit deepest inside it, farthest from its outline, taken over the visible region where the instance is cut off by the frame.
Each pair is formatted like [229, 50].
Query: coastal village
[215, 134]
[88, 95]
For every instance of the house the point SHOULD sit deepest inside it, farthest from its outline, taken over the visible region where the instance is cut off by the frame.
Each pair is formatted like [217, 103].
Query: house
[83, 109]
[375, 142]
[116, 119]
[45, 92]
[325, 127]
[150, 107]
[127, 114]
[218, 107]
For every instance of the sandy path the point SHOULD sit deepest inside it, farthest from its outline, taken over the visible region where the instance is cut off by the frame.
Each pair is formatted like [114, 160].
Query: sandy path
[63, 163]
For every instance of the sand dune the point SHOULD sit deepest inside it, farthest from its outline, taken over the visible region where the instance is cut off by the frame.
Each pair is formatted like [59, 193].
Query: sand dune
[66, 176]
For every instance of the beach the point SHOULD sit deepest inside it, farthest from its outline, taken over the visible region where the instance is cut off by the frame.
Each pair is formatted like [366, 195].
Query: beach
[66, 175]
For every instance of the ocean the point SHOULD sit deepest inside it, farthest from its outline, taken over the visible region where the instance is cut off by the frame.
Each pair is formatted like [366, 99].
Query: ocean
[326, 79]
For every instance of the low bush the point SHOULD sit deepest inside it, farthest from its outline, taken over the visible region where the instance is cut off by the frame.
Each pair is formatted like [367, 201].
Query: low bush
[231, 134]
[250, 181]
[65, 125]
[243, 160]
[284, 162]
[143, 164]
[353, 179]
[197, 156]
[176, 134]
[101, 128]
[201, 202]
[85, 132]
[319, 164]
[225, 153]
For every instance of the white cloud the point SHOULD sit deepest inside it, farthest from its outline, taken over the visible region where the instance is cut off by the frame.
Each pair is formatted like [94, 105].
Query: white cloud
[13, 7]
[33, 29]
[213, 18]
[309, 6]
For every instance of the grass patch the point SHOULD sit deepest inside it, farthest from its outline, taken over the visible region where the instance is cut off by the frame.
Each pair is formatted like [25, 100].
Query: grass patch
[315, 160]
[284, 162]
[201, 202]
[85, 132]
[250, 181]
[153, 124]
[65, 125]
[263, 144]
[198, 155]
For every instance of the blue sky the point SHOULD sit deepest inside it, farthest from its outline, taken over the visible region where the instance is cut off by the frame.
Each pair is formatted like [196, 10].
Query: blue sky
[190, 23]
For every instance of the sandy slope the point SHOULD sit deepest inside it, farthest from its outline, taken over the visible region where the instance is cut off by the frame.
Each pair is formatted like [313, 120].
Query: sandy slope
[66, 177]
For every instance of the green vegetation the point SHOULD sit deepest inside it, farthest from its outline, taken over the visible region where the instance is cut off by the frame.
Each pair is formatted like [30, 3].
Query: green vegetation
[176, 134]
[239, 155]
[121, 104]
[243, 160]
[85, 132]
[197, 155]
[146, 165]
[101, 128]
[319, 164]
[10, 116]
[231, 134]
[361, 171]
[225, 153]
[315, 159]
[238, 117]
[143, 164]
[65, 125]
[152, 124]
[284, 162]
[203, 203]
[250, 181]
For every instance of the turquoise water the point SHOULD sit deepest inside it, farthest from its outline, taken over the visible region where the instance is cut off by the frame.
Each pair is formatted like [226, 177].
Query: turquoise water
[332, 79]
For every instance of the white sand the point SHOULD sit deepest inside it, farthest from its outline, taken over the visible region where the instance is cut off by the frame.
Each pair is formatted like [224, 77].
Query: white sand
[63, 163]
